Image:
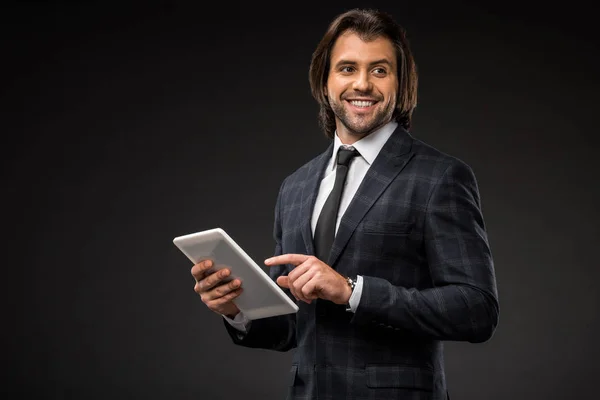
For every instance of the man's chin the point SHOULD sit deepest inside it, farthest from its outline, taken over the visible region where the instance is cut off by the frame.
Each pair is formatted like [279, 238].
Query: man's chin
[361, 129]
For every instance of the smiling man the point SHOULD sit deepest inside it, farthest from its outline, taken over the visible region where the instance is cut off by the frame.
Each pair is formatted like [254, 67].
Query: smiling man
[380, 238]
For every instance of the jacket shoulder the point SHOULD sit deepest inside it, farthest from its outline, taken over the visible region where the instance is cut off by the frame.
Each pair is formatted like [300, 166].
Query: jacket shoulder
[440, 161]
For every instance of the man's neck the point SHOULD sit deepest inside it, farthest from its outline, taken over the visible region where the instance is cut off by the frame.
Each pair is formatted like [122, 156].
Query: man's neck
[349, 137]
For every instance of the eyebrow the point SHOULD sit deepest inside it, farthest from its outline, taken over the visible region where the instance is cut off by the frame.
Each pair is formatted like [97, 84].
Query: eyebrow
[348, 62]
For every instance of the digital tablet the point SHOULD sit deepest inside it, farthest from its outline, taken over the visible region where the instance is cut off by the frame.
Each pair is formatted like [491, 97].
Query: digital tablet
[261, 297]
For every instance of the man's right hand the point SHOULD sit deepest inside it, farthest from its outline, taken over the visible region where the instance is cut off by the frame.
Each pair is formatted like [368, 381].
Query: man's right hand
[216, 294]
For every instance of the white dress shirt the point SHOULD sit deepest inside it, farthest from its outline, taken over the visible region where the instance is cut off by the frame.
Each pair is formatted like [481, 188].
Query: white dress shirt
[369, 148]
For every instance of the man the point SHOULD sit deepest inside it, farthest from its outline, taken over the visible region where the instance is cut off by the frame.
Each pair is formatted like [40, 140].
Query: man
[398, 264]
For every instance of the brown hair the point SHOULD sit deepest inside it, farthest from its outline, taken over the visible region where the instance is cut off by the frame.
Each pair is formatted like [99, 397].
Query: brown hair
[368, 24]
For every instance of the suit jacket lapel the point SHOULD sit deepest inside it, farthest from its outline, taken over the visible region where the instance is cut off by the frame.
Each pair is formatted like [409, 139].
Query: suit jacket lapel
[392, 158]
[309, 196]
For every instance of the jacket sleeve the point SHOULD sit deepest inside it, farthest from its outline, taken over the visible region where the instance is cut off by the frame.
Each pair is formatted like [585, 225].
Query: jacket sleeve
[273, 333]
[463, 304]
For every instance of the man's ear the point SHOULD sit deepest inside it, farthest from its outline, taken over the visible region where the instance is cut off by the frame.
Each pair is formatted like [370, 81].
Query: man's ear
[325, 91]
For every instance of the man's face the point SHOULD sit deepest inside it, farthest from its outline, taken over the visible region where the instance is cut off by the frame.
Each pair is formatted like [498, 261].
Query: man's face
[362, 85]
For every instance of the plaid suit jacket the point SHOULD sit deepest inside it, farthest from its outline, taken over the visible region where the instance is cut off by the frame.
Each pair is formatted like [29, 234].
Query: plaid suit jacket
[415, 232]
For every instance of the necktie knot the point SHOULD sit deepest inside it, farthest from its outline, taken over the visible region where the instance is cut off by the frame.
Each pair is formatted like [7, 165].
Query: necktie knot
[345, 155]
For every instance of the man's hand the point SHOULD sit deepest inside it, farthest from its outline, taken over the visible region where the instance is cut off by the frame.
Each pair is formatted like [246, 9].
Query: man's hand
[216, 294]
[312, 279]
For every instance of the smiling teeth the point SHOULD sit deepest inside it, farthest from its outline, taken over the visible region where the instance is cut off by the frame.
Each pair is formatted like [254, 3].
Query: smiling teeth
[361, 103]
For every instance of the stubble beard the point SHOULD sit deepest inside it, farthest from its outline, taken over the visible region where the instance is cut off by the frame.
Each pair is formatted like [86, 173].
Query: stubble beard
[361, 125]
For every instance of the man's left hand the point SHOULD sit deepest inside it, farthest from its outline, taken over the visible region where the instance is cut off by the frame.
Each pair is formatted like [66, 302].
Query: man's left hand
[311, 279]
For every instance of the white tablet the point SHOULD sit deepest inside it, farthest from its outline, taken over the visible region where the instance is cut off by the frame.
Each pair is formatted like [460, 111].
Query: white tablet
[262, 297]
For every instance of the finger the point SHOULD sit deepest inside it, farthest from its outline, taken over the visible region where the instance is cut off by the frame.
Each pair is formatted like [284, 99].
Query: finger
[300, 270]
[287, 283]
[307, 267]
[212, 280]
[311, 289]
[300, 283]
[283, 281]
[295, 259]
[225, 299]
[220, 290]
[199, 269]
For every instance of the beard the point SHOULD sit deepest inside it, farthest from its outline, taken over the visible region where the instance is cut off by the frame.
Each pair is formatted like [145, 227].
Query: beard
[362, 125]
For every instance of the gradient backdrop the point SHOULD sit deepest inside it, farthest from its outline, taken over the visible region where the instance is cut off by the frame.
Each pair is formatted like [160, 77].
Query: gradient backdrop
[126, 125]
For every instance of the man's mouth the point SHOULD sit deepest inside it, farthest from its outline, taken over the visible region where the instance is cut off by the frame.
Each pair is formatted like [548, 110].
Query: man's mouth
[361, 104]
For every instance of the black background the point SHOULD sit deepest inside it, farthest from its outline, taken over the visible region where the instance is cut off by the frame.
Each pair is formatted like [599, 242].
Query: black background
[127, 124]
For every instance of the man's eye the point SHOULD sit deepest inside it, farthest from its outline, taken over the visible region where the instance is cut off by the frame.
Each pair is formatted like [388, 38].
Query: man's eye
[379, 71]
[347, 69]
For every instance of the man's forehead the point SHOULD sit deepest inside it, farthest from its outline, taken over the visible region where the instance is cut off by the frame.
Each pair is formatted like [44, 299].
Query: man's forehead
[350, 45]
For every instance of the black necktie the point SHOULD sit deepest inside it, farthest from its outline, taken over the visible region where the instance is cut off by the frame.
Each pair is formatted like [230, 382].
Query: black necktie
[325, 229]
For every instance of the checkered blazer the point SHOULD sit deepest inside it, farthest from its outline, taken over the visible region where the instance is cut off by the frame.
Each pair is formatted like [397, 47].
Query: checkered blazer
[415, 232]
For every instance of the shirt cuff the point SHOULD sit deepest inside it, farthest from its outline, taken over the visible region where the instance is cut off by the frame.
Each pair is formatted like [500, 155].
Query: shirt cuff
[356, 293]
[239, 322]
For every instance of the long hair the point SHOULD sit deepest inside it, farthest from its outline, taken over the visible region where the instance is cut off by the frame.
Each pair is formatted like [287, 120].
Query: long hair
[369, 25]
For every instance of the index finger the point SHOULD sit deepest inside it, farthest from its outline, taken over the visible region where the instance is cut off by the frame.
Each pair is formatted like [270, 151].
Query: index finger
[200, 268]
[295, 259]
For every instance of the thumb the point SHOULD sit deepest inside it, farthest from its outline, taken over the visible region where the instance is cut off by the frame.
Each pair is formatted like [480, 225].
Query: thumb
[283, 281]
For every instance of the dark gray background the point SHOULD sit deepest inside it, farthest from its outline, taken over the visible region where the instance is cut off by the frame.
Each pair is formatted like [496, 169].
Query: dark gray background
[127, 125]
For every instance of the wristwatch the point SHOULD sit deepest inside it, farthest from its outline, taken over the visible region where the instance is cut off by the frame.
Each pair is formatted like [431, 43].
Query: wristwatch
[352, 283]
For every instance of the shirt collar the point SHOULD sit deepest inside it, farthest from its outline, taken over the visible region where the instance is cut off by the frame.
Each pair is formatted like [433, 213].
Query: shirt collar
[369, 146]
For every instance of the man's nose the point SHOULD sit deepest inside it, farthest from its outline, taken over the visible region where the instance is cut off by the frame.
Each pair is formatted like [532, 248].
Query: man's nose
[362, 83]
